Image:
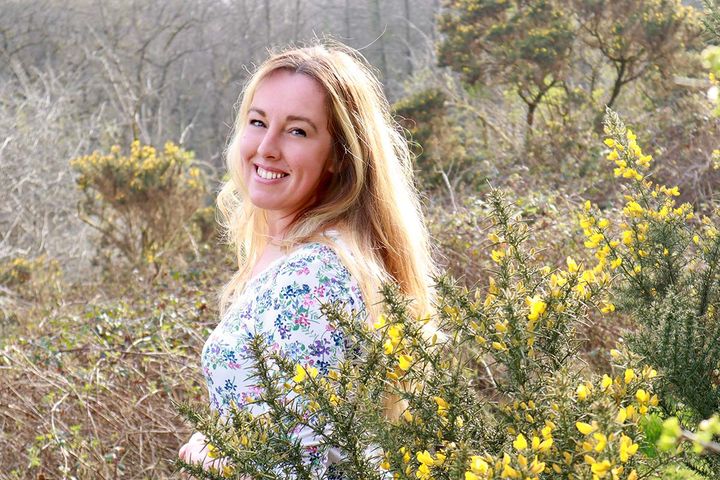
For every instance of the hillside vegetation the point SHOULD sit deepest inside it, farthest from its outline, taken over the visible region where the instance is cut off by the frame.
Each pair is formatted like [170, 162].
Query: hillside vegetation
[567, 152]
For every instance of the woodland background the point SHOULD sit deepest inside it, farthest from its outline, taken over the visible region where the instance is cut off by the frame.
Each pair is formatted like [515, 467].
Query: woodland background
[105, 301]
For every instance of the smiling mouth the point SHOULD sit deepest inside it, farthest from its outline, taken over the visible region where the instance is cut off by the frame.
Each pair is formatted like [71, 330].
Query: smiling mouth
[268, 175]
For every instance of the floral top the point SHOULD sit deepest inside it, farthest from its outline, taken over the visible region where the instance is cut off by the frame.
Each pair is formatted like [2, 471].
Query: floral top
[282, 303]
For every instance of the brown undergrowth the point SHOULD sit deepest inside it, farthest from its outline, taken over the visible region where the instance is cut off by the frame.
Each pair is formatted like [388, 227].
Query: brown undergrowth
[88, 384]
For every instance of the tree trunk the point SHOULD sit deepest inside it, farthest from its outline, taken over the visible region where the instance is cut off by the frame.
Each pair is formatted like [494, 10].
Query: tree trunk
[530, 117]
[408, 52]
[347, 19]
[380, 40]
[268, 32]
[619, 82]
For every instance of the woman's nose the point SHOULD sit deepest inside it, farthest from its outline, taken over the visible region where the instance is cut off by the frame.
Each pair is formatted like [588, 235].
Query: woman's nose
[269, 146]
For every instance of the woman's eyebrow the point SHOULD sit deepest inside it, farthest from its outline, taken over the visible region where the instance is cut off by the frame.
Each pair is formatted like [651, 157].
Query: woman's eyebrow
[294, 118]
[290, 118]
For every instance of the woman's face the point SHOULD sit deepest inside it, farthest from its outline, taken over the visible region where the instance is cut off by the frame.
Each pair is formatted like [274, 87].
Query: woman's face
[285, 146]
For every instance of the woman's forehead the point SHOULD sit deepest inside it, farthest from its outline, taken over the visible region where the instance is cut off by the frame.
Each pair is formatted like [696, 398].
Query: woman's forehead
[290, 94]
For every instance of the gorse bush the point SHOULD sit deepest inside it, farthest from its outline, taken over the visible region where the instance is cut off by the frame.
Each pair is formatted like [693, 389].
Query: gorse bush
[491, 385]
[494, 393]
[525, 46]
[140, 203]
[666, 263]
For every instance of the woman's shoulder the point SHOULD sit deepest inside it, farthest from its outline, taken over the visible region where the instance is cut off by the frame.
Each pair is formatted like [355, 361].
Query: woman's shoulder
[320, 262]
[312, 257]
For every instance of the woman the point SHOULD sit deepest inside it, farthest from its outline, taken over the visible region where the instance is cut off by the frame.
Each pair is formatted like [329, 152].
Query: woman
[321, 208]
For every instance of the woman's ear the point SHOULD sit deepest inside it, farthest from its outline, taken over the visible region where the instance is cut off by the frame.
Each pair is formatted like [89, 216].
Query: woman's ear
[340, 151]
[331, 168]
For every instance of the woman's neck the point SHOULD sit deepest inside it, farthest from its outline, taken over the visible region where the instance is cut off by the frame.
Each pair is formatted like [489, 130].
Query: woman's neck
[277, 227]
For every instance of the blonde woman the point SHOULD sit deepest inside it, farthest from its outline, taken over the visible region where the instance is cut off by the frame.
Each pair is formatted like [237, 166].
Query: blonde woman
[320, 207]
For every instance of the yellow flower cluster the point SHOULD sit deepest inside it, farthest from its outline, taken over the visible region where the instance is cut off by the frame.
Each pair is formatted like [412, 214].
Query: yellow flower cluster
[322, 386]
[119, 177]
[603, 443]
[628, 250]
[606, 448]
[553, 296]
[515, 465]
[601, 451]
[395, 345]
[629, 246]
[628, 156]
[503, 334]
[618, 388]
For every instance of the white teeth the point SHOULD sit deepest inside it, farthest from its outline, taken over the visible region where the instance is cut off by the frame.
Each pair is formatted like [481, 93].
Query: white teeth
[262, 173]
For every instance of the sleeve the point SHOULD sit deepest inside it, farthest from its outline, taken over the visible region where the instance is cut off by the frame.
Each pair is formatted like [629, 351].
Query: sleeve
[309, 279]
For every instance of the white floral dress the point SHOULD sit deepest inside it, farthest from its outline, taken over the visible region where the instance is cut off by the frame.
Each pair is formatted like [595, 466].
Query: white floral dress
[283, 303]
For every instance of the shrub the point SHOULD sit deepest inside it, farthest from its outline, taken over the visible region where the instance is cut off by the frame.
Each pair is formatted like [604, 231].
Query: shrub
[666, 266]
[498, 394]
[140, 203]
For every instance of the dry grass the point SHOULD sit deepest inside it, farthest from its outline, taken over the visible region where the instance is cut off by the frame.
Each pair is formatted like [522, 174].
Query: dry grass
[88, 390]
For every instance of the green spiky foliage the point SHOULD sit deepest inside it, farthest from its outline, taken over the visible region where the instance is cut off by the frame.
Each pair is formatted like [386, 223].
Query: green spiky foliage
[488, 386]
[667, 268]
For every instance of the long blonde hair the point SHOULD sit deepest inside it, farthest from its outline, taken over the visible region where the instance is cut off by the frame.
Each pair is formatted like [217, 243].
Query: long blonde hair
[370, 199]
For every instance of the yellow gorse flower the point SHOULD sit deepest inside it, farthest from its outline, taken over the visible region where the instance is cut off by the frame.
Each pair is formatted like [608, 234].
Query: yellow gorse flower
[601, 468]
[301, 373]
[572, 265]
[404, 362]
[585, 428]
[627, 448]
[425, 458]
[537, 308]
[633, 209]
[442, 406]
[606, 382]
[583, 391]
[478, 465]
[520, 442]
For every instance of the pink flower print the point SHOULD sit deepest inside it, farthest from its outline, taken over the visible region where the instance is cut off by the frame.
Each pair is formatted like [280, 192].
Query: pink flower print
[302, 320]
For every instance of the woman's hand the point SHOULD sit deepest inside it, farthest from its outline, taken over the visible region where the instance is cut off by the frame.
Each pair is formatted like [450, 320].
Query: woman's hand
[196, 451]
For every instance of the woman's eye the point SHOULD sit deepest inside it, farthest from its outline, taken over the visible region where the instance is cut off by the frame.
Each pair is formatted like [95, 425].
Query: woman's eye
[256, 123]
[298, 132]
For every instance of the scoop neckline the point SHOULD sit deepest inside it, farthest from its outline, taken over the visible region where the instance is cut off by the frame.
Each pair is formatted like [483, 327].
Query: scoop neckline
[270, 266]
[331, 232]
